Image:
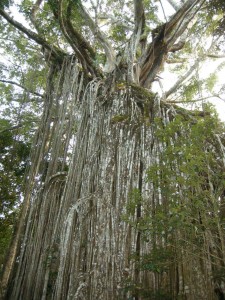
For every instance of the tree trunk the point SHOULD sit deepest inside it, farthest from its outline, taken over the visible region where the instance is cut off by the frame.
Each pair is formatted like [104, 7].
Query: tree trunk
[94, 147]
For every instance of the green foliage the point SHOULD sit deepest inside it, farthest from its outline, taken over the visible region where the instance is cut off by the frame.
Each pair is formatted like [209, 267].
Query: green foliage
[4, 4]
[118, 33]
[138, 290]
[216, 7]
[191, 89]
[6, 233]
[186, 159]
[211, 81]
[53, 4]
[159, 260]
[13, 160]
[135, 200]
[188, 180]
[151, 11]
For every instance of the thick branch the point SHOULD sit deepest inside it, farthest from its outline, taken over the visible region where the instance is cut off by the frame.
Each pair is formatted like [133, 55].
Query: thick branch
[83, 43]
[82, 49]
[109, 52]
[34, 11]
[167, 34]
[55, 52]
[35, 8]
[181, 13]
[178, 46]
[22, 87]
[139, 16]
[74, 39]
[139, 19]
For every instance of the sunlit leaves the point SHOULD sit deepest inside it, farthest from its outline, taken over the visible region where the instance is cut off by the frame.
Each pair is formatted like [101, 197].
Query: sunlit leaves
[211, 81]
[118, 33]
[191, 89]
[215, 12]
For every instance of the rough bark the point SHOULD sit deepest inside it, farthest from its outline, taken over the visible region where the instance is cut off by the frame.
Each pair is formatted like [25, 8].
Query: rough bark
[76, 244]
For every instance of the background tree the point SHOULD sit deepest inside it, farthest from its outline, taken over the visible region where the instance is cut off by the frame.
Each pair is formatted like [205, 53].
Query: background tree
[124, 195]
[13, 155]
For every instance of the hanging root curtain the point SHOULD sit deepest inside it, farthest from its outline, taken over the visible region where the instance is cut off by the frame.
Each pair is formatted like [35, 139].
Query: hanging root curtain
[117, 205]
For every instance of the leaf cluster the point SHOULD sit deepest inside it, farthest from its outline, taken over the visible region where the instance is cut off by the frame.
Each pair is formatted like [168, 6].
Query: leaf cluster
[217, 7]
[4, 4]
[187, 181]
[14, 155]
